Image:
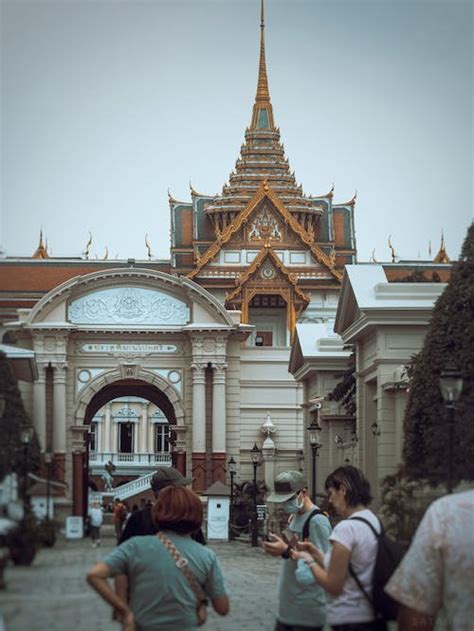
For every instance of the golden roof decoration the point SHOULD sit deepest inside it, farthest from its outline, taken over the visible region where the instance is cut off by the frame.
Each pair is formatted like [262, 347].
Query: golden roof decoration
[442, 255]
[194, 193]
[41, 251]
[265, 253]
[88, 246]
[351, 202]
[148, 247]
[265, 191]
[392, 249]
[172, 200]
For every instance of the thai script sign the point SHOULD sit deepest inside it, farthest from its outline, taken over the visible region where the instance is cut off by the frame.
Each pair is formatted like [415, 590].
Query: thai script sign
[128, 348]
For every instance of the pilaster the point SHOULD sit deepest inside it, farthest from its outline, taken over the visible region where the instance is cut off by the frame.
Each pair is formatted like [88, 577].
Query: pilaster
[59, 407]
[39, 405]
[218, 422]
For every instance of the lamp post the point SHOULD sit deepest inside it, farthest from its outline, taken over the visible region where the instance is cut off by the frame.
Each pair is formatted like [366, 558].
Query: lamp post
[450, 383]
[255, 455]
[314, 432]
[232, 471]
[26, 436]
[48, 458]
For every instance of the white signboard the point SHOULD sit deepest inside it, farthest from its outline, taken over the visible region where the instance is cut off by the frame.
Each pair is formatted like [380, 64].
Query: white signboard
[129, 348]
[74, 528]
[218, 518]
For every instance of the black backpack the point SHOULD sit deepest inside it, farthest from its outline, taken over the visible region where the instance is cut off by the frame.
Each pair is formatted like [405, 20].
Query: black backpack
[305, 533]
[389, 554]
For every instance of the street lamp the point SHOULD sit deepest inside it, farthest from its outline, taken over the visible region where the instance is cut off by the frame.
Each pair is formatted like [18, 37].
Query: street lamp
[255, 455]
[450, 383]
[314, 432]
[26, 436]
[232, 471]
[48, 459]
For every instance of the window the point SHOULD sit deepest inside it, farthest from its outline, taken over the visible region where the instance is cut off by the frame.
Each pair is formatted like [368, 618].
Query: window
[264, 338]
[162, 437]
[126, 436]
[93, 437]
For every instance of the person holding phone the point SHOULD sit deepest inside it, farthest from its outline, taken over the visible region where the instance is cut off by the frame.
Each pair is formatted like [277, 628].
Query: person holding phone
[301, 603]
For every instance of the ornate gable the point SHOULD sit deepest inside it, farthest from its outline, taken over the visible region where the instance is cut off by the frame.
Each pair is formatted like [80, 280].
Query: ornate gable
[265, 222]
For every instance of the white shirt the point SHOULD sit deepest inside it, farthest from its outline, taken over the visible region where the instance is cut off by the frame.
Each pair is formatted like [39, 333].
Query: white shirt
[352, 605]
[96, 517]
[437, 572]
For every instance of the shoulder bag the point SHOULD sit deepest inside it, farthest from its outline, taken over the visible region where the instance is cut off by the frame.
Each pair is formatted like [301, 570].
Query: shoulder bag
[182, 563]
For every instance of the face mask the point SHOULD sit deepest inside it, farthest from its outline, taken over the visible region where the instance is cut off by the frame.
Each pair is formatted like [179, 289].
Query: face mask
[292, 506]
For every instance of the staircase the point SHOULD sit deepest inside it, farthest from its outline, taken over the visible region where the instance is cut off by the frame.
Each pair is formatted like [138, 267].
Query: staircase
[124, 491]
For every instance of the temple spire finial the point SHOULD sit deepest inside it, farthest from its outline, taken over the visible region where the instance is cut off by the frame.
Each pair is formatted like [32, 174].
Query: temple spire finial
[262, 116]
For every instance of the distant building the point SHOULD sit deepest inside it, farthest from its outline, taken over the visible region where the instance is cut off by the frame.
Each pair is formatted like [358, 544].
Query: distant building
[145, 363]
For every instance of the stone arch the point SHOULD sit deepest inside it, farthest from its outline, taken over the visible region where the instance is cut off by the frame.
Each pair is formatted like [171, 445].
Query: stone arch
[89, 400]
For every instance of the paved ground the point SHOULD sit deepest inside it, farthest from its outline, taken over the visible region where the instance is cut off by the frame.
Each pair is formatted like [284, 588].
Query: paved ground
[52, 595]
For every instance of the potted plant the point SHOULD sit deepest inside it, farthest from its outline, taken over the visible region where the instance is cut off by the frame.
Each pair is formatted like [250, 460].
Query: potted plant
[23, 541]
[47, 532]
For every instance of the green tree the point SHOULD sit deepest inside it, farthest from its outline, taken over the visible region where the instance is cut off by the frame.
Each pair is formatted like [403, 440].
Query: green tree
[449, 342]
[345, 389]
[12, 456]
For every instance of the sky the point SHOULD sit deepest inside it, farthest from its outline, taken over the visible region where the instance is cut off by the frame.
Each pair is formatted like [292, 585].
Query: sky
[107, 104]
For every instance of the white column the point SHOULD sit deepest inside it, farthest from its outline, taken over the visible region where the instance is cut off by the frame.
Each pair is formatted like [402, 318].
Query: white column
[218, 409]
[199, 408]
[59, 407]
[106, 430]
[143, 429]
[39, 406]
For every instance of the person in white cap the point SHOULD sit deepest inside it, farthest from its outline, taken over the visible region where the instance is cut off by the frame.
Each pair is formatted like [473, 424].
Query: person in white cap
[302, 602]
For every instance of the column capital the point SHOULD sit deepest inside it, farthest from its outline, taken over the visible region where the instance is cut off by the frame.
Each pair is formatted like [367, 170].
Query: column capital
[198, 369]
[219, 372]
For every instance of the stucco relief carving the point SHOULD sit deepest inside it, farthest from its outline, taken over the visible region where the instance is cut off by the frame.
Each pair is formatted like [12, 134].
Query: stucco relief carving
[209, 345]
[129, 305]
[129, 371]
[265, 226]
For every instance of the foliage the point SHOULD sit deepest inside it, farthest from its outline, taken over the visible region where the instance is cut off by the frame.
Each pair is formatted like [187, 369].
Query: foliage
[47, 530]
[345, 389]
[23, 541]
[400, 507]
[418, 276]
[449, 342]
[12, 456]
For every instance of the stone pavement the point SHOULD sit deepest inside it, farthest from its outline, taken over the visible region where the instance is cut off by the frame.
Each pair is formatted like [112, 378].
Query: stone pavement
[52, 594]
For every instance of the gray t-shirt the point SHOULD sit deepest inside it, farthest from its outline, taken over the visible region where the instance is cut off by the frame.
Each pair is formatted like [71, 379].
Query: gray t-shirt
[304, 604]
[160, 595]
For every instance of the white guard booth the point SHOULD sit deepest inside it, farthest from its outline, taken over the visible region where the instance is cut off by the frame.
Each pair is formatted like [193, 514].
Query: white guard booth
[218, 510]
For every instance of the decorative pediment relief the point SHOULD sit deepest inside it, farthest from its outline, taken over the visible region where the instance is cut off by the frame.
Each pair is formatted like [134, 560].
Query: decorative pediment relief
[265, 225]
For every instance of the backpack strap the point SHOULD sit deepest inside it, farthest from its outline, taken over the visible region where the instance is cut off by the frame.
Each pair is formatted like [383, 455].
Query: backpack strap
[314, 512]
[352, 572]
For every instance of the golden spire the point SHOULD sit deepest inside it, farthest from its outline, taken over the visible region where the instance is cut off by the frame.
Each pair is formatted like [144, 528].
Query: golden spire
[262, 116]
[41, 251]
[442, 256]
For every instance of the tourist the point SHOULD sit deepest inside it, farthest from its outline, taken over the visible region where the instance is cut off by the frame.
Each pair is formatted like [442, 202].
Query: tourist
[141, 521]
[354, 543]
[161, 596]
[437, 572]
[301, 602]
[96, 518]
[120, 516]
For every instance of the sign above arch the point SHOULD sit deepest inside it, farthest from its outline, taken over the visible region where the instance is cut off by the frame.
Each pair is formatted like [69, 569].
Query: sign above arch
[129, 305]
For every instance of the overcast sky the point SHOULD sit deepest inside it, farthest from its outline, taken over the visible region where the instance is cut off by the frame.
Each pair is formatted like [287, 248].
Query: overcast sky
[106, 104]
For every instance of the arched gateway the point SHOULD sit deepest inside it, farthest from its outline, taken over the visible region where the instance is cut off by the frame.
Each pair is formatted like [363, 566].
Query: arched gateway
[132, 355]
